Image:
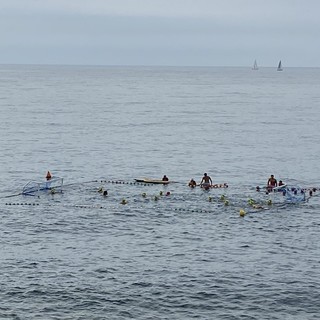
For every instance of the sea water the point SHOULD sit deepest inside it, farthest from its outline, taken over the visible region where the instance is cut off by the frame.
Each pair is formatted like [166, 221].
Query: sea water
[152, 251]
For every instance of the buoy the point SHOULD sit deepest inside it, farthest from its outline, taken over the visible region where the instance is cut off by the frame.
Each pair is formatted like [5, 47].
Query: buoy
[156, 198]
[242, 213]
[161, 193]
[210, 199]
[269, 202]
[48, 176]
[100, 190]
[226, 203]
[223, 197]
[124, 201]
[144, 194]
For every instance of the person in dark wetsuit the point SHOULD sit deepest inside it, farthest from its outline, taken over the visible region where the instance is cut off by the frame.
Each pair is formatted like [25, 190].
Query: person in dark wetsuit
[165, 178]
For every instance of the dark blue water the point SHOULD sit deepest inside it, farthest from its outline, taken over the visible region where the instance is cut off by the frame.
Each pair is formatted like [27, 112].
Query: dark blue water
[187, 255]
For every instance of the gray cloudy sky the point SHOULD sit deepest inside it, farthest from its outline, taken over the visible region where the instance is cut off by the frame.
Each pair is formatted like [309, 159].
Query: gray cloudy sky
[160, 32]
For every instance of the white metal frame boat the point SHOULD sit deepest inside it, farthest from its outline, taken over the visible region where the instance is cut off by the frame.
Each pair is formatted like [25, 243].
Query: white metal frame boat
[33, 187]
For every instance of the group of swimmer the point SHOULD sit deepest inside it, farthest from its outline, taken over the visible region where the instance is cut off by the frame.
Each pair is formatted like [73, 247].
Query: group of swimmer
[272, 183]
[206, 182]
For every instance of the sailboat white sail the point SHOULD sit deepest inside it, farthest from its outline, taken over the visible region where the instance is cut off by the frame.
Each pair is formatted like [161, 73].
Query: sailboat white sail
[279, 66]
[255, 65]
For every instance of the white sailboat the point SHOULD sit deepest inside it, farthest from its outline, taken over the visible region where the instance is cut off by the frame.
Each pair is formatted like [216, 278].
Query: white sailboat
[279, 66]
[255, 65]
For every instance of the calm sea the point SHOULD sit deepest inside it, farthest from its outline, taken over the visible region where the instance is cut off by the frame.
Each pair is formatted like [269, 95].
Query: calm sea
[186, 255]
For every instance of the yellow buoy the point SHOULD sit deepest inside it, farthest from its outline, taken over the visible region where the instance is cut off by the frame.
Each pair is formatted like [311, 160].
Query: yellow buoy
[210, 199]
[223, 197]
[269, 202]
[161, 193]
[242, 213]
[226, 203]
[124, 201]
[144, 194]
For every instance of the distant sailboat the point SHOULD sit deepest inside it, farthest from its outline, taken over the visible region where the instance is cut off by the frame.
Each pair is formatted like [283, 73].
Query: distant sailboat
[279, 66]
[255, 65]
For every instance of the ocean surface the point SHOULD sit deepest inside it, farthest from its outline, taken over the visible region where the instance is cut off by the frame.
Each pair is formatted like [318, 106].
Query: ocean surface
[152, 251]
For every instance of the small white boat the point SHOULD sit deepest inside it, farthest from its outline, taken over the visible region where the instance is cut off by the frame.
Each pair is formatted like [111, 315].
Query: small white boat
[32, 187]
[279, 66]
[255, 65]
[294, 194]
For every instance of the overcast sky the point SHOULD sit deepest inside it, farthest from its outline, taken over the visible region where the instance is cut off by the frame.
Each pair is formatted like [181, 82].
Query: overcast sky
[161, 32]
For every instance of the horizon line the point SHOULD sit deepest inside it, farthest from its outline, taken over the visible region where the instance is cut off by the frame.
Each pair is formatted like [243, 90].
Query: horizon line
[149, 65]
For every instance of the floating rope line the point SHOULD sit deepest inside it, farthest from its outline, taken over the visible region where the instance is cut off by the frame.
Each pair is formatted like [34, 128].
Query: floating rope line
[54, 205]
[193, 210]
[126, 182]
[85, 206]
[21, 204]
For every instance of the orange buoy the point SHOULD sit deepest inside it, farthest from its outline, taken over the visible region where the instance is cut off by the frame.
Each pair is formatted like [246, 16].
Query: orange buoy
[48, 176]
